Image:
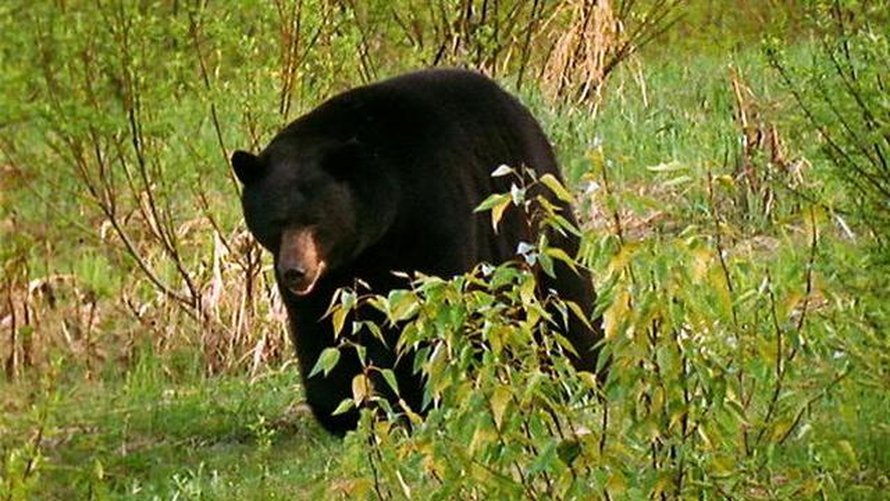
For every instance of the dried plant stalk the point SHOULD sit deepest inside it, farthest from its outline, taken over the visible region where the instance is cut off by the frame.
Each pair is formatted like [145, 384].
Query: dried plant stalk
[580, 60]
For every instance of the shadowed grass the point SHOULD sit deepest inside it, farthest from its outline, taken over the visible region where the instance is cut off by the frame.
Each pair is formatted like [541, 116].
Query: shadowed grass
[150, 435]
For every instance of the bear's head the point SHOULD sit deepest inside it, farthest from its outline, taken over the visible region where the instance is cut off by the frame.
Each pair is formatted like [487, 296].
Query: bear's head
[307, 203]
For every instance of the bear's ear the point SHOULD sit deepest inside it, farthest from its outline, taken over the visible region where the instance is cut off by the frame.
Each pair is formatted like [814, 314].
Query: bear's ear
[343, 159]
[248, 166]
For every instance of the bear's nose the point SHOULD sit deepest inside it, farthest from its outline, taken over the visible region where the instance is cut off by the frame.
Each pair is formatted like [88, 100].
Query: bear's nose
[293, 275]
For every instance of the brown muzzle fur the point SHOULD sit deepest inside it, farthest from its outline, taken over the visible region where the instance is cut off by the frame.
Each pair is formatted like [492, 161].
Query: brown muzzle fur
[300, 263]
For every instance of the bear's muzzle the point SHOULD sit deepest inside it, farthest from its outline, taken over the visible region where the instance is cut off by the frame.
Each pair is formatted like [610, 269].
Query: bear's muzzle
[300, 264]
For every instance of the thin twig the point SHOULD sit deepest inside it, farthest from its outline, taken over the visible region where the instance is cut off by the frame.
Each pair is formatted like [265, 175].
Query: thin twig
[779, 362]
[194, 29]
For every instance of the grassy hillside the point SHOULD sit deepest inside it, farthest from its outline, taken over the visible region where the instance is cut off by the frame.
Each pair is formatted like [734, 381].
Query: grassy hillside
[143, 345]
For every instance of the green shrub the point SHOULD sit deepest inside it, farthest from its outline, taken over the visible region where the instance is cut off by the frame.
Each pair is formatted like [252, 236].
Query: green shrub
[842, 94]
[714, 367]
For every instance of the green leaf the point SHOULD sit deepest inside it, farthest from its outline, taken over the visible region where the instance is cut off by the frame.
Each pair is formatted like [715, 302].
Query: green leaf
[376, 331]
[500, 399]
[556, 187]
[563, 223]
[491, 201]
[502, 170]
[667, 167]
[497, 203]
[579, 313]
[414, 417]
[362, 352]
[348, 299]
[497, 213]
[547, 264]
[326, 361]
[677, 180]
[338, 318]
[545, 459]
[390, 377]
[517, 194]
[344, 406]
[421, 358]
[557, 253]
[483, 436]
[403, 305]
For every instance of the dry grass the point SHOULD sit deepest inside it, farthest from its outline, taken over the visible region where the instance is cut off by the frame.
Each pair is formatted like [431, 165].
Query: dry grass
[762, 159]
[582, 54]
[236, 328]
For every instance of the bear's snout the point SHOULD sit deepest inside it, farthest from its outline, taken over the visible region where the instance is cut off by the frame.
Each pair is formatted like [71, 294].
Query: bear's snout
[293, 277]
[300, 264]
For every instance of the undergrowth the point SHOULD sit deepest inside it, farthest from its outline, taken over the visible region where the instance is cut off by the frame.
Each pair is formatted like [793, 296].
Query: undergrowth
[143, 346]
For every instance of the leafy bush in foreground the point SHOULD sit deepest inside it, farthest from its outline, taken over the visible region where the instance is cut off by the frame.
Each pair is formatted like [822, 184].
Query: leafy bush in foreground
[715, 364]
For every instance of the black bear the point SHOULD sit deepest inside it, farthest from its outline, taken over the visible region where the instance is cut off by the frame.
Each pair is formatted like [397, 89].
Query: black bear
[386, 178]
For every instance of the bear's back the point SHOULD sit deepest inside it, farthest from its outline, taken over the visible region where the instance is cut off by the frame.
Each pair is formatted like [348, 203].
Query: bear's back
[445, 115]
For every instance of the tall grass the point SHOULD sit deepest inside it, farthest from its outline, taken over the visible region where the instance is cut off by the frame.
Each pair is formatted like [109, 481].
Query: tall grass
[747, 341]
[122, 117]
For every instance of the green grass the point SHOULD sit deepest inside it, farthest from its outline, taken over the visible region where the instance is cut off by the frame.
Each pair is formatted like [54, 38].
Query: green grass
[119, 393]
[149, 435]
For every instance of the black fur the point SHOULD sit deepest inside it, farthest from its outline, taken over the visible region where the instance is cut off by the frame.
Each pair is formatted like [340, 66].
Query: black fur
[389, 175]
